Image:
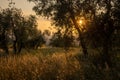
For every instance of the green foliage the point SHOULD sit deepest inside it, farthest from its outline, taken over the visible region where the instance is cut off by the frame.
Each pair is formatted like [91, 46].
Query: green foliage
[63, 39]
[35, 42]
[18, 29]
[64, 13]
[102, 20]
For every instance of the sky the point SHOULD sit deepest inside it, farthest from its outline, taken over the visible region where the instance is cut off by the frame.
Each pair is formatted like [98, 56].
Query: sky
[26, 7]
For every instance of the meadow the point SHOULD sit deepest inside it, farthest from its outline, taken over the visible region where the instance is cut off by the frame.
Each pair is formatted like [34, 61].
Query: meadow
[53, 64]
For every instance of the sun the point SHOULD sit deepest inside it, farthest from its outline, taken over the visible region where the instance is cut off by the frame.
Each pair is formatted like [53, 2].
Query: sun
[80, 22]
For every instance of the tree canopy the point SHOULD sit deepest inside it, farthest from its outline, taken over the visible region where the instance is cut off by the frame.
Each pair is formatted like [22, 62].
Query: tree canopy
[18, 30]
[102, 19]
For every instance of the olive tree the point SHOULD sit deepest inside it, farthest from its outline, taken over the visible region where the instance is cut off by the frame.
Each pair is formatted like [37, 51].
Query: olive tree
[63, 13]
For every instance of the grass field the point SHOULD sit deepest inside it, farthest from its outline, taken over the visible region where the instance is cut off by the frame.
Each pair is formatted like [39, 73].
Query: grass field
[53, 64]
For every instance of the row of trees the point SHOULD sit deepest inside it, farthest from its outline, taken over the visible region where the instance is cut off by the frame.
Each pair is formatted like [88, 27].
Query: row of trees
[18, 30]
[101, 16]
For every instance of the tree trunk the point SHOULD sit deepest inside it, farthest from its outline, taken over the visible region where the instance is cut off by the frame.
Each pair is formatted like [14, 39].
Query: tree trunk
[82, 42]
[83, 45]
[14, 47]
[108, 30]
[4, 43]
[5, 47]
[106, 57]
[20, 46]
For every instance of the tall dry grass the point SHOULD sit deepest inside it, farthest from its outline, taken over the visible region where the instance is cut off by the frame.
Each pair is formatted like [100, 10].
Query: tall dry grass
[58, 66]
[38, 67]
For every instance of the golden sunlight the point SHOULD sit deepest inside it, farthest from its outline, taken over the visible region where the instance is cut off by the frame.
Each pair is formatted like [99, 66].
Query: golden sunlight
[80, 22]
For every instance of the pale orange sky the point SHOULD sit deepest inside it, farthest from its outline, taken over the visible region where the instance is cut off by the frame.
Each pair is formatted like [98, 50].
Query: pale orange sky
[27, 10]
